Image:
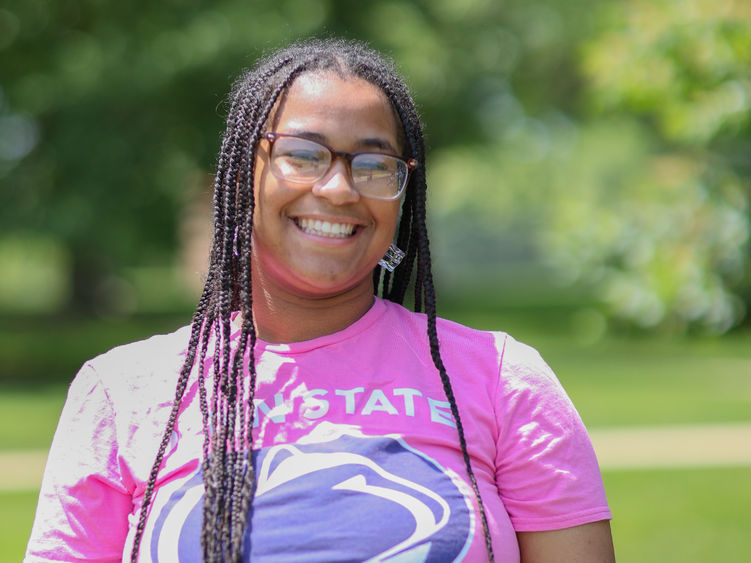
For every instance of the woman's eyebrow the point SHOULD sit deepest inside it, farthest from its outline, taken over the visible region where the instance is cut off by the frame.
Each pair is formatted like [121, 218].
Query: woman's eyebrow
[312, 135]
[377, 143]
[364, 143]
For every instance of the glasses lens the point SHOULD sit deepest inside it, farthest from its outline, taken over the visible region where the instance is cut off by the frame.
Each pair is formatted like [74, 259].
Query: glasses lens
[299, 160]
[379, 175]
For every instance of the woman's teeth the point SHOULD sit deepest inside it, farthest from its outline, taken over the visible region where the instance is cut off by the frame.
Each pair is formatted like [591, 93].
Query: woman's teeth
[325, 229]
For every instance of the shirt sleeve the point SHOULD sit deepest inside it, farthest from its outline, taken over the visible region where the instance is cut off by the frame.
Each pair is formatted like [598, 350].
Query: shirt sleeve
[85, 497]
[546, 470]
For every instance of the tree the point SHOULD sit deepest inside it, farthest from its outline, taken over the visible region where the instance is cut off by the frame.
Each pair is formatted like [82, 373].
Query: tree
[109, 113]
[613, 135]
[680, 72]
[638, 185]
[111, 110]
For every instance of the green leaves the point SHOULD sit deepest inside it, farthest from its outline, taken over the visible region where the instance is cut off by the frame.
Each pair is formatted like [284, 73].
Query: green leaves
[613, 135]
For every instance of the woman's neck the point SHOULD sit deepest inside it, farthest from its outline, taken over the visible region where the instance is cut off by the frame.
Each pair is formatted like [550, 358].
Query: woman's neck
[281, 317]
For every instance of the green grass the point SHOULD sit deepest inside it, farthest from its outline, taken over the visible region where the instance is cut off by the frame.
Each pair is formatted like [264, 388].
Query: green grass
[696, 515]
[38, 407]
[16, 517]
[638, 383]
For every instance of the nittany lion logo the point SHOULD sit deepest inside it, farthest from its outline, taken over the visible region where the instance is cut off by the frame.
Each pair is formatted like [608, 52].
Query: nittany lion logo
[349, 498]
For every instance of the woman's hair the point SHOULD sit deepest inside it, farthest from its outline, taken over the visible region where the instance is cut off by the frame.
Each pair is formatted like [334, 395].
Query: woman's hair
[228, 472]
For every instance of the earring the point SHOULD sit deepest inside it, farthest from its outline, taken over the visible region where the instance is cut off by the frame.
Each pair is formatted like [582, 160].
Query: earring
[394, 255]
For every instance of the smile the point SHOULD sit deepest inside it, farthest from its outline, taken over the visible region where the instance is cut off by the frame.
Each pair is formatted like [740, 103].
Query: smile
[324, 228]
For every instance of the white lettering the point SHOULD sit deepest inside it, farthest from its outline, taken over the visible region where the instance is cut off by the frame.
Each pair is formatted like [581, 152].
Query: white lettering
[437, 415]
[312, 406]
[378, 402]
[409, 399]
[349, 397]
[317, 403]
[276, 414]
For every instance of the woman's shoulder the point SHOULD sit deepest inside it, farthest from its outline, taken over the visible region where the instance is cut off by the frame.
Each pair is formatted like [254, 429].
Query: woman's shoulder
[455, 339]
[445, 326]
[142, 363]
[157, 347]
[519, 362]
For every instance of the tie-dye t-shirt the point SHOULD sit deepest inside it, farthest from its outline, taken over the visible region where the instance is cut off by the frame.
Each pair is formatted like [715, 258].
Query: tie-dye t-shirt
[356, 451]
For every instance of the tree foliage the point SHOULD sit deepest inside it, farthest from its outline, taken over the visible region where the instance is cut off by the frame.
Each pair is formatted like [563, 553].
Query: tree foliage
[682, 71]
[640, 187]
[110, 115]
[615, 134]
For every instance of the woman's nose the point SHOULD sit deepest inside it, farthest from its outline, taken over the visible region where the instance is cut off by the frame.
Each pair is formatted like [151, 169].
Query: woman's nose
[337, 185]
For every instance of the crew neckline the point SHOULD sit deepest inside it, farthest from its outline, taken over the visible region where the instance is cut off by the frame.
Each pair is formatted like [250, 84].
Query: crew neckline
[377, 309]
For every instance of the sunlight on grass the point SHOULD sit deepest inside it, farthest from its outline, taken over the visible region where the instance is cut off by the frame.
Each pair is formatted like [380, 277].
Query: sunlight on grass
[38, 408]
[657, 387]
[16, 516]
[697, 515]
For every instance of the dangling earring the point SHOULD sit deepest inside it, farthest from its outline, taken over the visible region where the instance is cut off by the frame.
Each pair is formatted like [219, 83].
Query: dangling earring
[394, 255]
[234, 244]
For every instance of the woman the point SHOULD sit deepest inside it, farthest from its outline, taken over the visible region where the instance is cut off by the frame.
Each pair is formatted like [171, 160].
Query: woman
[377, 434]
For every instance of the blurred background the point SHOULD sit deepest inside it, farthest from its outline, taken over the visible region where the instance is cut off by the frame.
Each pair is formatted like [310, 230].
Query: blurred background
[589, 173]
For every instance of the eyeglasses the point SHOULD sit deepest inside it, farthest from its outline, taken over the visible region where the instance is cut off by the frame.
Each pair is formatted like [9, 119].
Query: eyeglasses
[302, 161]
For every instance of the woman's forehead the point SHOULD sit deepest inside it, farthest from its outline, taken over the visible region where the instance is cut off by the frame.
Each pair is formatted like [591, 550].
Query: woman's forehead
[330, 97]
[323, 85]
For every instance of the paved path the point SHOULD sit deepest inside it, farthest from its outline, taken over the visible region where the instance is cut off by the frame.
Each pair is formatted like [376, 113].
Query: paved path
[21, 470]
[707, 445]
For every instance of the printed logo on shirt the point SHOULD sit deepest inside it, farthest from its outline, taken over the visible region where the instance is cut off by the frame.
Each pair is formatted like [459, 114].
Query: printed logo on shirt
[348, 498]
[317, 403]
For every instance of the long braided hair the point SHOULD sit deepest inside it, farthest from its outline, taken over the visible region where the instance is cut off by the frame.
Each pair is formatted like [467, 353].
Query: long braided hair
[227, 409]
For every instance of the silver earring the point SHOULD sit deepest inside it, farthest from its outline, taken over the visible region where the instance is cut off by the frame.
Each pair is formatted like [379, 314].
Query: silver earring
[394, 255]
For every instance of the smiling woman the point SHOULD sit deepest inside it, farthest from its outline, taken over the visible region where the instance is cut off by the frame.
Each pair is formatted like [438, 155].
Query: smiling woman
[299, 405]
[322, 238]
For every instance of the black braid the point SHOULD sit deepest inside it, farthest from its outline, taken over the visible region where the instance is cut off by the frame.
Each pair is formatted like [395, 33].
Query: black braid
[430, 310]
[425, 291]
[228, 409]
[196, 330]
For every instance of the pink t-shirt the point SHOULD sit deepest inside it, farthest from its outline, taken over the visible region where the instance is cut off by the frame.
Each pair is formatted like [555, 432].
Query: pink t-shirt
[355, 448]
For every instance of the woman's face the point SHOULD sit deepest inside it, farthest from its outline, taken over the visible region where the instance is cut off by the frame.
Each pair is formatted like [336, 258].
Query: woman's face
[324, 238]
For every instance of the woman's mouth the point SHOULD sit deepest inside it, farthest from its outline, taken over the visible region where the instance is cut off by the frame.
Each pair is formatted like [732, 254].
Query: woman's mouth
[325, 228]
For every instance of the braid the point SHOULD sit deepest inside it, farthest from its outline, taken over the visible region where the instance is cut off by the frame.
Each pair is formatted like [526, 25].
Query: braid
[430, 311]
[412, 232]
[196, 330]
[228, 409]
[230, 470]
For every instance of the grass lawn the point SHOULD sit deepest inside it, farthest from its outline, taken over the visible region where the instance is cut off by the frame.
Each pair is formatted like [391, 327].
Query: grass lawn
[38, 407]
[696, 515]
[625, 382]
[16, 517]
[51, 349]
